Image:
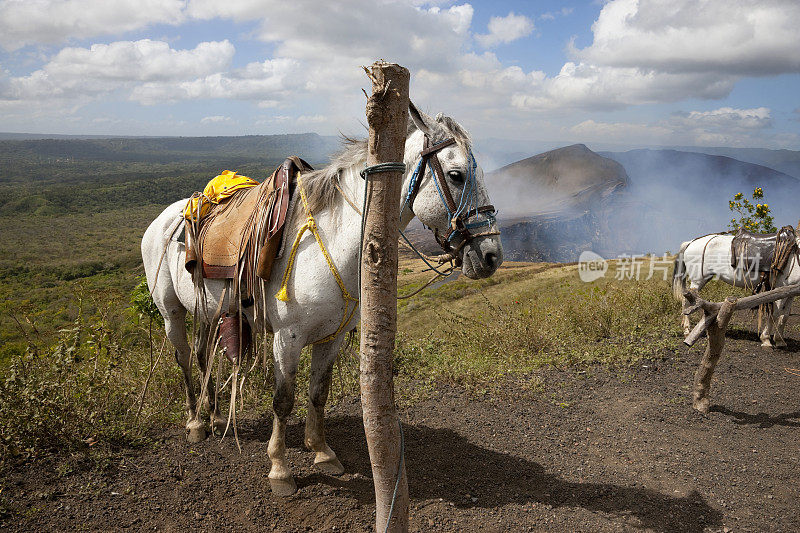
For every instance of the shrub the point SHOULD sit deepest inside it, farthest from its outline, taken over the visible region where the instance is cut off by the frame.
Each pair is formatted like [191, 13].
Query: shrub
[753, 217]
[88, 386]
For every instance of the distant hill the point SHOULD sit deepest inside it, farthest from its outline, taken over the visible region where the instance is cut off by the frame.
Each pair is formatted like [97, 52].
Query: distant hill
[698, 171]
[10, 136]
[786, 161]
[564, 179]
[312, 147]
[557, 204]
[52, 177]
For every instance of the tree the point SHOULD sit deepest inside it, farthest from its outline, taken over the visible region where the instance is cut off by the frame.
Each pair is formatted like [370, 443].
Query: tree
[752, 216]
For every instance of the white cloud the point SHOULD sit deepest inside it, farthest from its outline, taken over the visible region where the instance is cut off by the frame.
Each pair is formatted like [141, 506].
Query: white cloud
[335, 35]
[552, 15]
[338, 37]
[590, 130]
[320, 62]
[643, 52]
[101, 68]
[587, 86]
[311, 119]
[657, 51]
[25, 22]
[726, 119]
[143, 60]
[686, 36]
[216, 119]
[267, 82]
[725, 126]
[505, 30]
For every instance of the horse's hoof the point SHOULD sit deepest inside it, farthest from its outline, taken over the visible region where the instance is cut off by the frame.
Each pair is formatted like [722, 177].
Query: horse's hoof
[767, 344]
[332, 467]
[702, 405]
[686, 332]
[196, 433]
[283, 487]
[781, 344]
[218, 426]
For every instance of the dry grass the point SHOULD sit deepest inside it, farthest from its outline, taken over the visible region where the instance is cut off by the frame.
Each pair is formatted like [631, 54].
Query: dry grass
[88, 382]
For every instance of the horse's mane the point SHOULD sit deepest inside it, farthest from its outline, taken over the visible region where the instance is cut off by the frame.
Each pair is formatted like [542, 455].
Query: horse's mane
[320, 185]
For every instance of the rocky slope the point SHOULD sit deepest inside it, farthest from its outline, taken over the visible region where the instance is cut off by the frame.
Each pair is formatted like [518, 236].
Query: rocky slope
[559, 203]
[556, 204]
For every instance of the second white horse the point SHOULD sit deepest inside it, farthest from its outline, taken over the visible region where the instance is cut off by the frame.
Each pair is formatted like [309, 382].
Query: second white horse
[702, 259]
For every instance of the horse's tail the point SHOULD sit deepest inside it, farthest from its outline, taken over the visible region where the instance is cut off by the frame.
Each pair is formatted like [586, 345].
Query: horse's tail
[679, 274]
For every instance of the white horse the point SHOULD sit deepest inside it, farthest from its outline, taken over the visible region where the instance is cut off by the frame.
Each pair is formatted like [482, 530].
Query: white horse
[704, 258]
[316, 307]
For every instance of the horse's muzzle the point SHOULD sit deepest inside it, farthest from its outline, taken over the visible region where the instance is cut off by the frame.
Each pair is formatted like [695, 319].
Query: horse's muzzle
[482, 257]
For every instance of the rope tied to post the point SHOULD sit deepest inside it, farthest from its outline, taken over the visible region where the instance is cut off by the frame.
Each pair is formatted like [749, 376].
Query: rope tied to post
[399, 475]
[391, 166]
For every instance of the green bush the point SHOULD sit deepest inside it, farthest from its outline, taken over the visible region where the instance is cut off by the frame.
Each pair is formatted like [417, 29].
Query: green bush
[142, 304]
[86, 388]
[754, 217]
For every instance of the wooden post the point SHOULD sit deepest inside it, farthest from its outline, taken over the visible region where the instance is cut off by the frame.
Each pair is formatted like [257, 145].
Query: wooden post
[716, 316]
[387, 115]
[716, 342]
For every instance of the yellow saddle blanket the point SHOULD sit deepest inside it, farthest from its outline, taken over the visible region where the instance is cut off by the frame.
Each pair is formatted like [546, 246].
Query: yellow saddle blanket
[218, 190]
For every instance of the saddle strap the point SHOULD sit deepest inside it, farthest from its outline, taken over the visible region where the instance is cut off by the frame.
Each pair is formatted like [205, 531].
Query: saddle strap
[276, 212]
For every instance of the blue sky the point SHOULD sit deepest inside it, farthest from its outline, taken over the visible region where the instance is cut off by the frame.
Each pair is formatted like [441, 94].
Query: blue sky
[633, 72]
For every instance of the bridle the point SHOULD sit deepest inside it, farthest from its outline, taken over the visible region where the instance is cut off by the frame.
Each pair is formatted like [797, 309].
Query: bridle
[458, 214]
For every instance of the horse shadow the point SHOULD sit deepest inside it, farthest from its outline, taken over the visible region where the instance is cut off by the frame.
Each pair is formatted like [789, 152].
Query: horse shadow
[792, 345]
[763, 420]
[442, 463]
[742, 334]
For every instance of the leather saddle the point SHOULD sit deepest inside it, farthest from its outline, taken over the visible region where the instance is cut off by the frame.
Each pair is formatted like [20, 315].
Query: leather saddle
[756, 252]
[244, 232]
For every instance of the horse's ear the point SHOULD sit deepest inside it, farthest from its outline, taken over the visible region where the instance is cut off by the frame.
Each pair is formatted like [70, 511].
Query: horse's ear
[418, 119]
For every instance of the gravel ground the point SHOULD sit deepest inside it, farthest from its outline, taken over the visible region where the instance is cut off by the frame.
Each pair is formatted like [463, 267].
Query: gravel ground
[600, 450]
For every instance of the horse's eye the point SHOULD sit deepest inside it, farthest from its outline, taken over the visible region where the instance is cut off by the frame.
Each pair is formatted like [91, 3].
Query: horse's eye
[456, 176]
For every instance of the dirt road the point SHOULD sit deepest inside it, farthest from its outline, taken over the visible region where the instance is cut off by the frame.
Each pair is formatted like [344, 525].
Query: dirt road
[595, 451]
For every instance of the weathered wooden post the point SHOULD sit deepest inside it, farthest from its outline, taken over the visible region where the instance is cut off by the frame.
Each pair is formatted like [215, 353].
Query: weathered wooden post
[716, 342]
[387, 115]
[716, 316]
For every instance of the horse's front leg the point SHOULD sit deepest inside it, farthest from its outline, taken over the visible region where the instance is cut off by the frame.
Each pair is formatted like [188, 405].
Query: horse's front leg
[176, 333]
[286, 350]
[322, 358]
[766, 323]
[782, 311]
[686, 322]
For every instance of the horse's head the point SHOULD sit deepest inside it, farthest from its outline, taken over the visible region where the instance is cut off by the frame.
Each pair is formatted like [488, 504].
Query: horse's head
[446, 191]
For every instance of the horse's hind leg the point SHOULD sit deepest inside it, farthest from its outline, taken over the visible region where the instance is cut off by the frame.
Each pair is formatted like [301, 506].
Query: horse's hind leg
[218, 423]
[322, 358]
[176, 332]
[286, 349]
